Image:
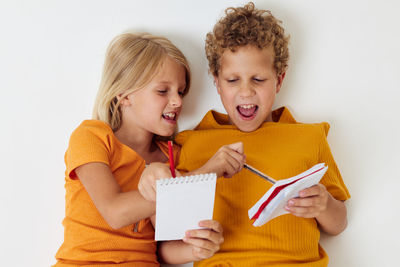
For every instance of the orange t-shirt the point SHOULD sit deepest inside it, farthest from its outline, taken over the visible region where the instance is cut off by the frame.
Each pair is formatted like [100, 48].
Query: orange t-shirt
[88, 239]
[281, 149]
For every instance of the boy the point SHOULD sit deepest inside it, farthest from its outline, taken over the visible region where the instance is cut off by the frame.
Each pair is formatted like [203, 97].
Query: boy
[248, 56]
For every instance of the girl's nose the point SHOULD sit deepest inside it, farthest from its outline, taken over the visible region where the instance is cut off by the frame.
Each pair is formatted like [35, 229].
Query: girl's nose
[175, 100]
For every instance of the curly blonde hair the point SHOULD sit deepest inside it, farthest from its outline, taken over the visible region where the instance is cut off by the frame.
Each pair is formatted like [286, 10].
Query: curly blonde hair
[247, 26]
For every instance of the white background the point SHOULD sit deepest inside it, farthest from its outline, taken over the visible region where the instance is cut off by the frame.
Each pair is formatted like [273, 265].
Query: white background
[344, 69]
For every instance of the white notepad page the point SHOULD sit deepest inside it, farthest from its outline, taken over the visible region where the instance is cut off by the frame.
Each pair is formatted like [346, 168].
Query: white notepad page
[276, 206]
[182, 202]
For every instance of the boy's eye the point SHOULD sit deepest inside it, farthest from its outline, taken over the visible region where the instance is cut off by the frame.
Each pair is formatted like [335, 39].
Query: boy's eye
[162, 91]
[181, 93]
[258, 79]
[231, 80]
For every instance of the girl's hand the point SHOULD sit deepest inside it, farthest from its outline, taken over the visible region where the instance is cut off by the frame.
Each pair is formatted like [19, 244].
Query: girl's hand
[205, 242]
[311, 202]
[147, 182]
[227, 161]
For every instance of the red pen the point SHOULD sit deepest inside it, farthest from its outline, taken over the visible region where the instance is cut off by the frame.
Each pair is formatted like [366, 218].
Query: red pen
[171, 159]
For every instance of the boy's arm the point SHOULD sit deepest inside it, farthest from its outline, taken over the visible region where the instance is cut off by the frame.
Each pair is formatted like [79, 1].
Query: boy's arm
[116, 207]
[333, 220]
[174, 252]
[227, 161]
[197, 245]
[316, 202]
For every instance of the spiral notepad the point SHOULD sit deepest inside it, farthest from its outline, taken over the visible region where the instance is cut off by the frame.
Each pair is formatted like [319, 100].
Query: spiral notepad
[182, 202]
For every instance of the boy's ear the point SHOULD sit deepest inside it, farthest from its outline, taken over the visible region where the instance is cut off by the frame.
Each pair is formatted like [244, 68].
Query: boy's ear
[280, 81]
[217, 84]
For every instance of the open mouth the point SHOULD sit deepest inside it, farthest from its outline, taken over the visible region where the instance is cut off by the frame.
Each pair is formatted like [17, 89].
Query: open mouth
[248, 111]
[170, 116]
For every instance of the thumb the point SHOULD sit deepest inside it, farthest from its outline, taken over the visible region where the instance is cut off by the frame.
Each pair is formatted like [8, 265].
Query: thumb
[177, 173]
[238, 147]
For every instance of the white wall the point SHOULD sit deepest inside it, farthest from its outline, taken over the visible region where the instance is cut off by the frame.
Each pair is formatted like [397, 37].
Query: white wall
[344, 69]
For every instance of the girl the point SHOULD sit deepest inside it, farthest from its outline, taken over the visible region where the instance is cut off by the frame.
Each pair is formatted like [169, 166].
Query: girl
[107, 220]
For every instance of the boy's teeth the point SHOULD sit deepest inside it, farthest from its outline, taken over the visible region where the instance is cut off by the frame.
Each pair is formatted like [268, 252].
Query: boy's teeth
[246, 106]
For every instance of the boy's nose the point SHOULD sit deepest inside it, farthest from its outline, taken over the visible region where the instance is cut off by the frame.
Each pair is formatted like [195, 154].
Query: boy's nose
[246, 90]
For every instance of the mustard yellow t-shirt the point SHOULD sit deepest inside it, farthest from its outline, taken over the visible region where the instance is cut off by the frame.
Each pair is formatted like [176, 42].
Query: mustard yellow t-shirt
[88, 239]
[281, 149]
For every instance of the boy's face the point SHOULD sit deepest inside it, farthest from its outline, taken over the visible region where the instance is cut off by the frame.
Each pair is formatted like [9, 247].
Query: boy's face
[247, 84]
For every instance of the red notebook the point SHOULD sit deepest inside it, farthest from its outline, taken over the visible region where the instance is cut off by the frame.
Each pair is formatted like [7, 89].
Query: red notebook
[272, 204]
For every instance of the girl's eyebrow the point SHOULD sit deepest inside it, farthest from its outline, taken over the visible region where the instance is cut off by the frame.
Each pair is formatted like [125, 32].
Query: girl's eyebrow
[160, 82]
[183, 85]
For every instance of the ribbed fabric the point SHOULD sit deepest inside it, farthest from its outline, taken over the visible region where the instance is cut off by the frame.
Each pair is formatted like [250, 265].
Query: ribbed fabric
[280, 149]
[88, 240]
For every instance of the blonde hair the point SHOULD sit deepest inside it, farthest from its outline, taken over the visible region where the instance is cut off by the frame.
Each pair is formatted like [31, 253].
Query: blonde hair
[132, 60]
[243, 26]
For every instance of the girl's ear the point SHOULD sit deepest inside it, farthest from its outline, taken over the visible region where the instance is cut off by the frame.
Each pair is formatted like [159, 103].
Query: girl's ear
[216, 82]
[280, 81]
[124, 100]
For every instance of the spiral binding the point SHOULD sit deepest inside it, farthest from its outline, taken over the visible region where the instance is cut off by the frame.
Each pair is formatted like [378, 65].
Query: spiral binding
[187, 179]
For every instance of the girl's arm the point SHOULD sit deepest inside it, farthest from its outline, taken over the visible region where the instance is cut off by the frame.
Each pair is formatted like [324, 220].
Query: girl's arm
[118, 208]
[316, 202]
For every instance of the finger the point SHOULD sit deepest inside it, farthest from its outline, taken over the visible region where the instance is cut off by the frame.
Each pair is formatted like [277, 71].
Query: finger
[312, 191]
[201, 243]
[211, 224]
[153, 194]
[177, 173]
[148, 193]
[229, 168]
[238, 147]
[305, 202]
[305, 212]
[233, 163]
[149, 186]
[240, 158]
[205, 234]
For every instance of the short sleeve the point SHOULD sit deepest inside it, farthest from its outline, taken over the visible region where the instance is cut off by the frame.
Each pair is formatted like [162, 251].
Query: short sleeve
[332, 179]
[88, 143]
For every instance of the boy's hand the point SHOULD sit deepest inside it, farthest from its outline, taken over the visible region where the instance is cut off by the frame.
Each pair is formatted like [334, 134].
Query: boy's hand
[147, 182]
[311, 202]
[227, 161]
[205, 242]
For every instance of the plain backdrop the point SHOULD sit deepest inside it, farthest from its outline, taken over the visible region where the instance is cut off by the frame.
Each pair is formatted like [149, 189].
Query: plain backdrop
[344, 69]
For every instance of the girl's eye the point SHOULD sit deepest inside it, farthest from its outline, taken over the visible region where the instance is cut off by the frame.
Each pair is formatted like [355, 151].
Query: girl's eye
[232, 80]
[181, 93]
[258, 80]
[162, 91]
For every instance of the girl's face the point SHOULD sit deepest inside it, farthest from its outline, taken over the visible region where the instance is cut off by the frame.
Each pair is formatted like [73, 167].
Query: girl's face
[247, 84]
[156, 107]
